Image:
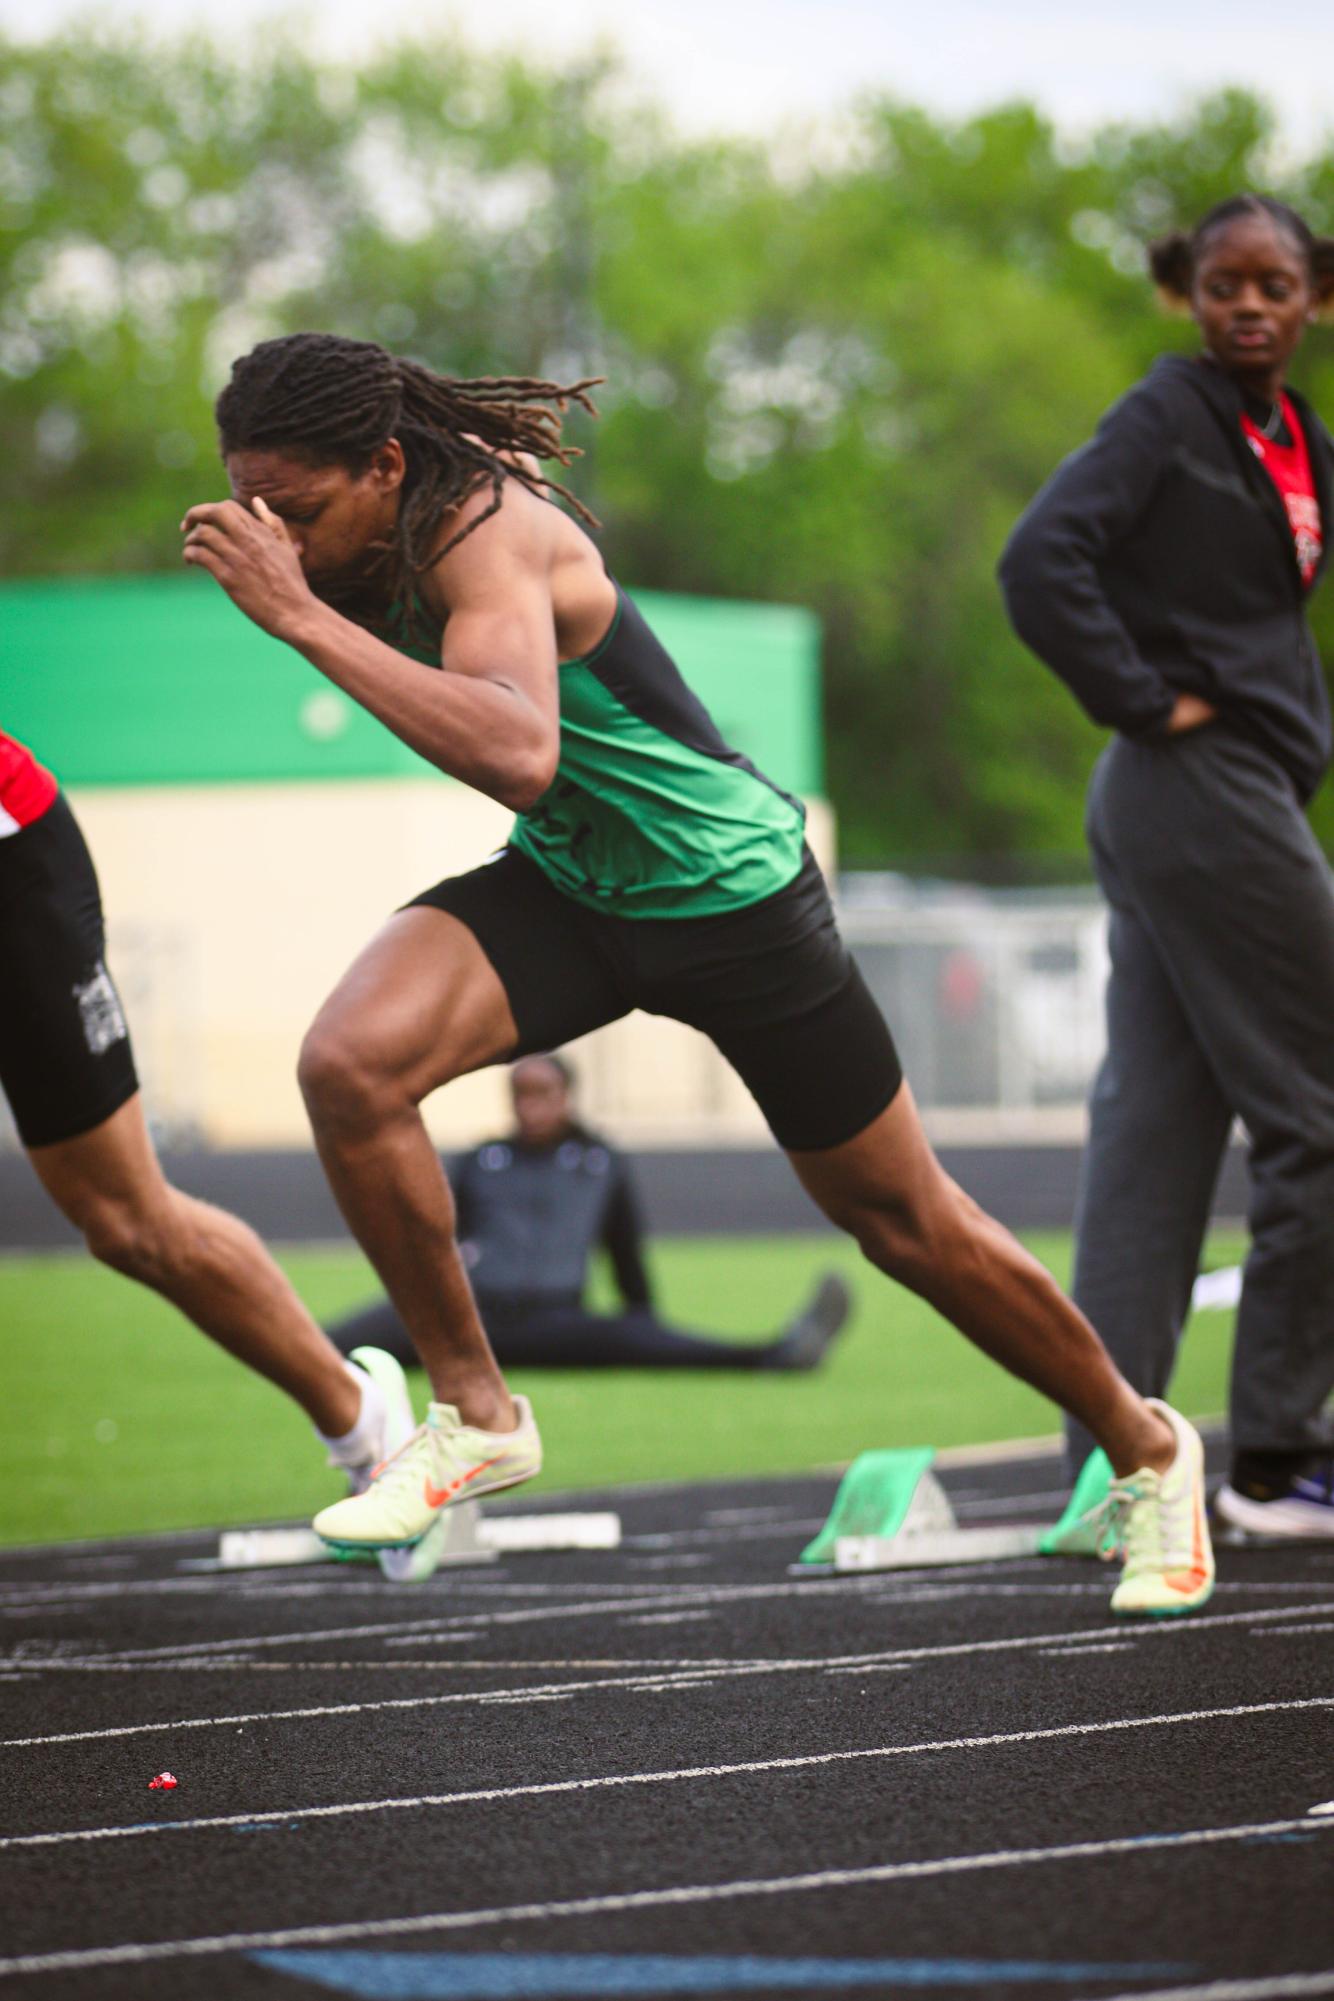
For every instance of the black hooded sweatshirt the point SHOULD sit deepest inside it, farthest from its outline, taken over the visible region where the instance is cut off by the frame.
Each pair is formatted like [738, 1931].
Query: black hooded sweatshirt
[1158, 560]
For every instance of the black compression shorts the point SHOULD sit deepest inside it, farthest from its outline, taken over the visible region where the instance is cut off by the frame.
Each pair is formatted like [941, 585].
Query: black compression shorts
[65, 1057]
[772, 986]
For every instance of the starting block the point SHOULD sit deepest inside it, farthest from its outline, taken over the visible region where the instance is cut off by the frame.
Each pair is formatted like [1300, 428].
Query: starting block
[460, 1535]
[1082, 1529]
[891, 1513]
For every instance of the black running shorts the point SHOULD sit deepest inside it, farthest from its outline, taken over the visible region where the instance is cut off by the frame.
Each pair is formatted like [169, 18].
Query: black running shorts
[65, 1057]
[772, 985]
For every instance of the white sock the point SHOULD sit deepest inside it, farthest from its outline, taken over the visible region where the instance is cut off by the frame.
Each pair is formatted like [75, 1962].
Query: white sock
[363, 1443]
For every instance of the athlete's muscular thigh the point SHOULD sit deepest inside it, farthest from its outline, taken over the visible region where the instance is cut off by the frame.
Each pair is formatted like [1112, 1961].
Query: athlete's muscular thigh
[421, 1004]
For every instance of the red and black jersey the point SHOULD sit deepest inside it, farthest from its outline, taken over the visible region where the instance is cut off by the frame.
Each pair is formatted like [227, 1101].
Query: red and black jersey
[1289, 466]
[27, 789]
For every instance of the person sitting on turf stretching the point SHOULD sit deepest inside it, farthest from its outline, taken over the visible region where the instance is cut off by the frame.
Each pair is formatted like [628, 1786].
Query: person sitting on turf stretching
[530, 1210]
[67, 1069]
[386, 522]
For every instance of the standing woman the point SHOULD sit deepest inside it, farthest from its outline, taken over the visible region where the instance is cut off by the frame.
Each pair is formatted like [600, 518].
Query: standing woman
[1163, 572]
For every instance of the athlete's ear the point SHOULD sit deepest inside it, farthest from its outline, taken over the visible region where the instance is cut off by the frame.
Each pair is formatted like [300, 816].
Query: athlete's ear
[388, 466]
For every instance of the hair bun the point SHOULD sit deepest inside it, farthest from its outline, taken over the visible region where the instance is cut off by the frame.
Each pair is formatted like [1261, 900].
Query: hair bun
[1171, 264]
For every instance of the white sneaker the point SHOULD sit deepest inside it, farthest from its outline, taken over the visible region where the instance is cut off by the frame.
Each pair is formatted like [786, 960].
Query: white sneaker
[1301, 1509]
[397, 1422]
[444, 1461]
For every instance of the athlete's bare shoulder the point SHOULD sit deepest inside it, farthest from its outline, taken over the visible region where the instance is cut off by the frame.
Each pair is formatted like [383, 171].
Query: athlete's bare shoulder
[491, 541]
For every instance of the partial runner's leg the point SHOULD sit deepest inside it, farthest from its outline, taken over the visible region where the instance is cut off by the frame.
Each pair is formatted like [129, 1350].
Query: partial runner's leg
[108, 1182]
[888, 1190]
[421, 1005]
[815, 1051]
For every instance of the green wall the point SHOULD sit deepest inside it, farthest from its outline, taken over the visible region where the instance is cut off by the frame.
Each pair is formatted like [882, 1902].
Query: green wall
[161, 681]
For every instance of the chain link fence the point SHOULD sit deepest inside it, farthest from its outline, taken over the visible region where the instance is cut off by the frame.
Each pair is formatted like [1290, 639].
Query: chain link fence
[994, 998]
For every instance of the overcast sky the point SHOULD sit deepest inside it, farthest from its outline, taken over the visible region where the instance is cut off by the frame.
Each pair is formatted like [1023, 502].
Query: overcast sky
[748, 64]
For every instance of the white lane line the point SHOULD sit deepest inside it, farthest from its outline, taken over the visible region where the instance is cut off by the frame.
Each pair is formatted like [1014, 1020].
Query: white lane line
[24, 1597]
[612, 1781]
[263, 1586]
[269, 1584]
[45, 1552]
[917, 1587]
[721, 1517]
[481, 1697]
[434, 1664]
[800, 1531]
[459, 1636]
[875, 1667]
[644, 1664]
[686, 1560]
[1119, 1635]
[240, 1585]
[704, 1893]
[1269, 1987]
[1106, 1647]
[686, 1681]
[689, 1595]
[631, 1598]
[719, 1529]
[666, 1618]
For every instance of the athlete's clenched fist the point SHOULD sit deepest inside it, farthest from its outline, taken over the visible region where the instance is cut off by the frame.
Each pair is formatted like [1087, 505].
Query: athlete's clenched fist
[249, 551]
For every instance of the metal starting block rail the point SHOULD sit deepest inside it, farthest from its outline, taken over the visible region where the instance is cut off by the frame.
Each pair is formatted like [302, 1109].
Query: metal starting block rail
[891, 1513]
[460, 1535]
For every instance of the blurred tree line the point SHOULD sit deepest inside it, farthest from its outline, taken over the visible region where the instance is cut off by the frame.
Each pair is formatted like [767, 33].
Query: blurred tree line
[836, 369]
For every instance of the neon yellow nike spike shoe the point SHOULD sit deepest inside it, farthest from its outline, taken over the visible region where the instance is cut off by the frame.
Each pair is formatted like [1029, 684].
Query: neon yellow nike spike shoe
[444, 1461]
[1161, 1526]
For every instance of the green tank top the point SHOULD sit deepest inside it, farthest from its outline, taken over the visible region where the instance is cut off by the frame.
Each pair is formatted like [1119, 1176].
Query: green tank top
[651, 814]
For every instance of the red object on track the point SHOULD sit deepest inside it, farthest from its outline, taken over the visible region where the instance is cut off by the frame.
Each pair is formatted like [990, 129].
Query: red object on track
[162, 1783]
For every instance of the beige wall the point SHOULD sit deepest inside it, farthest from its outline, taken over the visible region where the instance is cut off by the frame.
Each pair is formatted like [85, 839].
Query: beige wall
[232, 911]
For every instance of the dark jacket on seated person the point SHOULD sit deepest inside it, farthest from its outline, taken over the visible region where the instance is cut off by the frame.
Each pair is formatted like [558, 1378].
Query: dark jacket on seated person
[530, 1218]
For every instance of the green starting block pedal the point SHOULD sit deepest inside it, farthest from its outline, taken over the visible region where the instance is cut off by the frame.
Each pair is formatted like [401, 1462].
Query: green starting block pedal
[891, 1513]
[1082, 1527]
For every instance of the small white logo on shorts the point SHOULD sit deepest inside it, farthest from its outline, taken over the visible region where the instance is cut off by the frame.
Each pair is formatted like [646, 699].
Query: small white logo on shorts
[99, 1007]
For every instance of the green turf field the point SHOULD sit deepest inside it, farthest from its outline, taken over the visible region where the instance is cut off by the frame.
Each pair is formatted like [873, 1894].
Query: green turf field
[118, 1416]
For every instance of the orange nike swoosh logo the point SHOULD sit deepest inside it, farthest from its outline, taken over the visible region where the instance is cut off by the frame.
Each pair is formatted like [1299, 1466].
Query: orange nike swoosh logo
[437, 1496]
[1190, 1580]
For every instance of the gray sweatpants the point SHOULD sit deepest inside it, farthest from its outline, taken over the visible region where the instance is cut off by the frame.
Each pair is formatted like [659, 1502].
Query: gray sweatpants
[1220, 1003]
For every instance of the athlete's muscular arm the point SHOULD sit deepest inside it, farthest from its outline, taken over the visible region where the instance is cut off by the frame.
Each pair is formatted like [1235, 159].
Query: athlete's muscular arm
[492, 719]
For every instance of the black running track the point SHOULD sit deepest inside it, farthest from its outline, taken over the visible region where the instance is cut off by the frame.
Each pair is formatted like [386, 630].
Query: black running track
[672, 1770]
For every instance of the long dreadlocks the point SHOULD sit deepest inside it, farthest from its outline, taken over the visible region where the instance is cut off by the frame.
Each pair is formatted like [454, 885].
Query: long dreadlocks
[339, 400]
